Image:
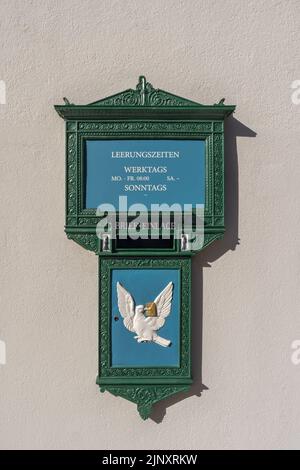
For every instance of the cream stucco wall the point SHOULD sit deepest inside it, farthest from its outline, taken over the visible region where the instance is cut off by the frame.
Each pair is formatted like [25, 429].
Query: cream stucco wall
[247, 51]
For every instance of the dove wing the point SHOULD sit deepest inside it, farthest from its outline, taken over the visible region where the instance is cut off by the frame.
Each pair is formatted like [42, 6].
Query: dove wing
[163, 305]
[126, 306]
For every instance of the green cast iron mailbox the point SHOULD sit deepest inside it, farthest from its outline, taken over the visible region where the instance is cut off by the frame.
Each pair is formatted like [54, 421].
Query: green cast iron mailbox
[144, 192]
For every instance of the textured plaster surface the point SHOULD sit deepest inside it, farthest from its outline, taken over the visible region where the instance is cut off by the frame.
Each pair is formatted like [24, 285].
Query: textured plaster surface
[247, 51]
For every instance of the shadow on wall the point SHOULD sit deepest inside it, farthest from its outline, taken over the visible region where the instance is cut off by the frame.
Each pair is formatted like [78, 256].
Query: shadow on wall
[233, 129]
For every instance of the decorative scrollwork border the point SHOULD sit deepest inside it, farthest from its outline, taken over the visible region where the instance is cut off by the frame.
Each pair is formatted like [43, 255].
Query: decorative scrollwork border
[78, 218]
[205, 130]
[105, 369]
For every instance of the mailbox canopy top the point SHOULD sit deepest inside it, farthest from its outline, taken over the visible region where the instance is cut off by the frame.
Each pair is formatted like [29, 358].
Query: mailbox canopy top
[144, 102]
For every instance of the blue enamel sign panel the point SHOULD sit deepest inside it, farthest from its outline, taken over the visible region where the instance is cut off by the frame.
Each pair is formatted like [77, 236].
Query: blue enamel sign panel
[146, 171]
[144, 285]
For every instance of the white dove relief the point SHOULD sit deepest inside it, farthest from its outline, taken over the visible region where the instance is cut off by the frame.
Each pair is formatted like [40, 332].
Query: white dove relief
[145, 320]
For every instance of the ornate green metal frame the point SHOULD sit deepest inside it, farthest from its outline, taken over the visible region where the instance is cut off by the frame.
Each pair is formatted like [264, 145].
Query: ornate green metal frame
[143, 113]
[144, 386]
